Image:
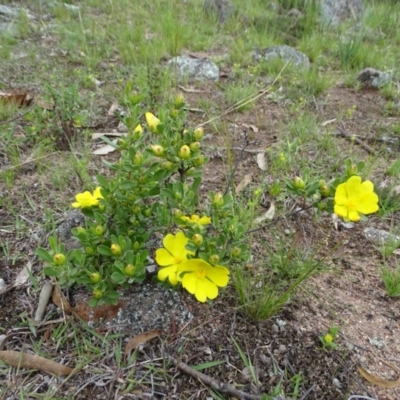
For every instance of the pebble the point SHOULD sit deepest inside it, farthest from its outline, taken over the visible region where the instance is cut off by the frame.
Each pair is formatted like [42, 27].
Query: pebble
[2, 284]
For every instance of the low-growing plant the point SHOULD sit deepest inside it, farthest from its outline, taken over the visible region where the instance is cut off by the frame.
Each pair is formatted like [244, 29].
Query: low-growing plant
[152, 204]
[328, 339]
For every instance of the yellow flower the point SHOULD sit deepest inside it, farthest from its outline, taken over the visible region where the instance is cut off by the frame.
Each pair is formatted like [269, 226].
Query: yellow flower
[169, 257]
[353, 198]
[202, 279]
[152, 121]
[87, 199]
[328, 338]
[195, 219]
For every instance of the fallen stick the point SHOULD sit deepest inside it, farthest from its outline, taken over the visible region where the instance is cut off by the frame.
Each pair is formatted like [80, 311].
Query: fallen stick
[44, 298]
[342, 130]
[217, 385]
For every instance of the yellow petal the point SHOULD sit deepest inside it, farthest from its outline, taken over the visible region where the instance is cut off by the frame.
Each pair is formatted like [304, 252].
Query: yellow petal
[138, 129]
[218, 275]
[204, 220]
[341, 194]
[368, 203]
[164, 258]
[189, 282]
[193, 265]
[152, 121]
[97, 193]
[341, 211]
[354, 216]
[207, 288]
[170, 273]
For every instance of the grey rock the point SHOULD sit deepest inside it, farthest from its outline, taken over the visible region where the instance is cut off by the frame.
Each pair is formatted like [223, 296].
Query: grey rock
[199, 69]
[10, 13]
[379, 236]
[377, 342]
[148, 307]
[335, 11]
[222, 9]
[373, 79]
[284, 52]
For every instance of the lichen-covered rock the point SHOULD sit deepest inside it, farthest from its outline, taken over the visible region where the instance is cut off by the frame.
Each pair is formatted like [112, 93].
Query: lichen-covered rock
[335, 11]
[199, 69]
[371, 78]
[284, 52]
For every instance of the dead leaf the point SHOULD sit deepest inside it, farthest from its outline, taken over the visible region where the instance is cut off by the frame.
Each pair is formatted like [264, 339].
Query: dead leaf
[140, 339]
[261, 161]
[60, 300]
[31, 361]
[23, 99]
[244, 182]
[114, 107]
[106, 149]
[269, 215]
[328, 122]
[376, 380]
[23, 275]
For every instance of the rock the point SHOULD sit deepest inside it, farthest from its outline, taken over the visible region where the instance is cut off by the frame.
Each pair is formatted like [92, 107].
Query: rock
[379, 236]
[222, 9]
[199, 69]
[373, 79]
[10, 13]
[286, 53]
[147, 307]
[335, 11]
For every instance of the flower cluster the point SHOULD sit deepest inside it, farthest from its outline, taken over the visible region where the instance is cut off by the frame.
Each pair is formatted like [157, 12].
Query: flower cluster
[197, 276]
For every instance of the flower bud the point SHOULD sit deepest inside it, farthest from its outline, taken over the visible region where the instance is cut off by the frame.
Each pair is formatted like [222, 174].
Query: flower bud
[136, 209]
[95, 277]
[152, 121]
[138, 159]
[322, 183]
[98, 230]
[298, 183]
[174, 113]
[214, 259]
[157, 150]
[325, 191]
[177, 213]
[194, 146]
[81, 229]
[236, 252]
[179, 101]
[184, 152]
[167, 165]
[137, 132]
[218, 200]
[198, 133]
[197, 239]
[129, 270]
[115, 249]
[190, 172]
[136, 245]
[352, 170]
[199, 160]
[59, 259]
[321, 206]
[147, 212]
[89, 250]
[98, 294]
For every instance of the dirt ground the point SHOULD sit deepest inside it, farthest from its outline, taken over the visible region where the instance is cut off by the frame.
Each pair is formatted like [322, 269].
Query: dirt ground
[350, 295]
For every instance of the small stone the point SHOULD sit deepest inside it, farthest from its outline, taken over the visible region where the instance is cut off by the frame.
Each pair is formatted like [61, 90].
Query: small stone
[337, 383]
[275, 328]
[284, 52]
[282, 349]
[2, 285]
[199, 69]
[377, 342]
[335, 11]
[371, 78]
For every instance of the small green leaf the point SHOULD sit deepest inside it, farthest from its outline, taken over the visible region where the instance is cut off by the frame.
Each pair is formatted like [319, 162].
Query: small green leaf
[128, 185]
[44, 255]
[104, 250]
[210, 364]
[51, 271]
[118, 277]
